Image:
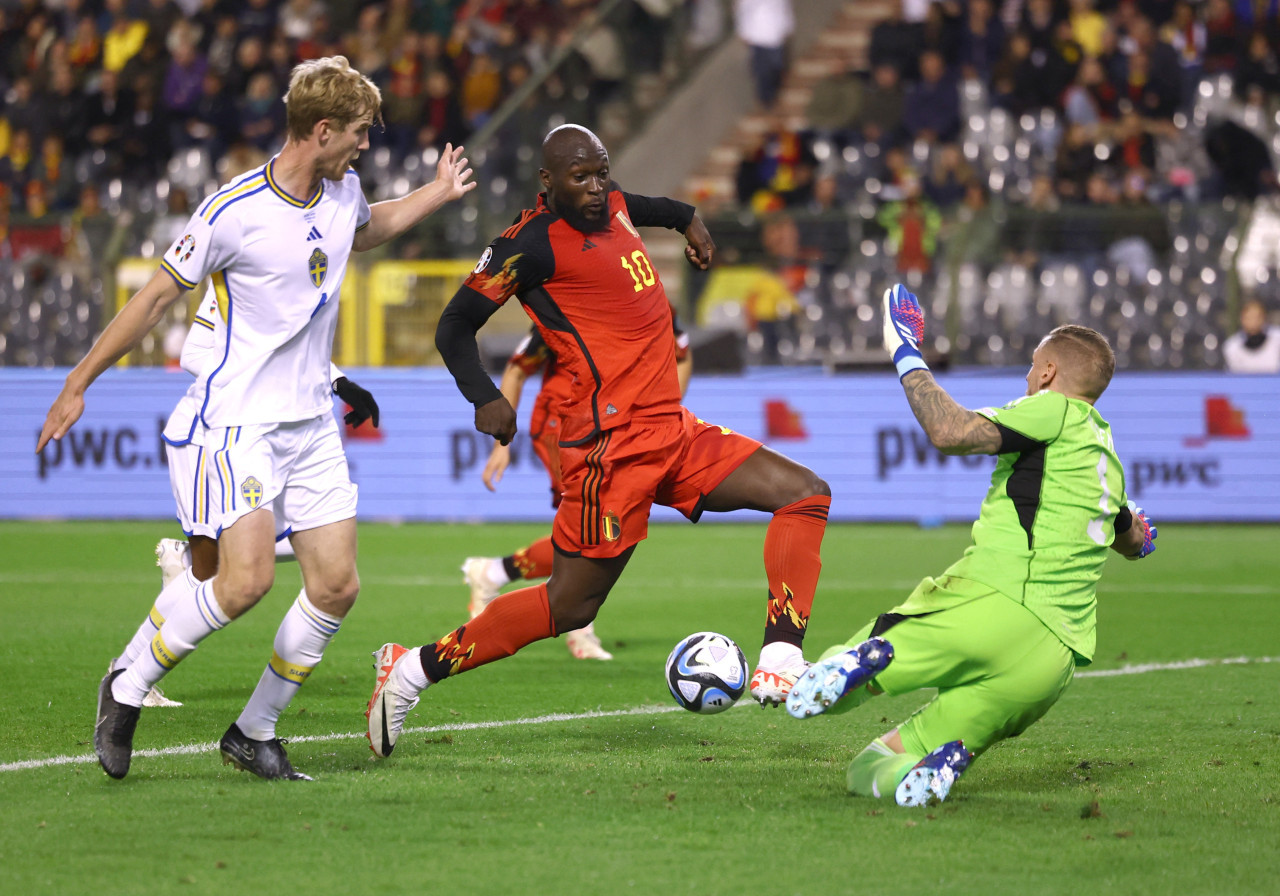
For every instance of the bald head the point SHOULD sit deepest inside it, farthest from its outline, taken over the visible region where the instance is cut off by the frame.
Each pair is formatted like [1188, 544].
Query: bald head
[567, 143]
[1083, 360]
[575, 174]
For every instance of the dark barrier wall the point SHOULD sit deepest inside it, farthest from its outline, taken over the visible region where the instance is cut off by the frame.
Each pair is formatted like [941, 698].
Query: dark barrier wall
[1195, 446]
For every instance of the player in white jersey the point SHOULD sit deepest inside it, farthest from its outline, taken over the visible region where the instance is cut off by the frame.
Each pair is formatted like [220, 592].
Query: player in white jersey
[184, 454]
[276, 243]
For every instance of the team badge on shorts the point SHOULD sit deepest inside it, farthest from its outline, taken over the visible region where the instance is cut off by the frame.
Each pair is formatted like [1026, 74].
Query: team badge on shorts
[185, 247]
[610, 526]
[317, 267]
[251, 491]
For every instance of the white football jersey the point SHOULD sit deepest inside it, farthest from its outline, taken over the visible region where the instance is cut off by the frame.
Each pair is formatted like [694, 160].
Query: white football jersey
[276, 264]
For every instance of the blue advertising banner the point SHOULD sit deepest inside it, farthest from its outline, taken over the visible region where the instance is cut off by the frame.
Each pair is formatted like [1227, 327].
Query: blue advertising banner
[1196, 447]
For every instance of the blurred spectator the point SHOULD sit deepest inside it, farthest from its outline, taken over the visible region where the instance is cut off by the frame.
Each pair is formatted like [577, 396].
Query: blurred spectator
[24, 111]
[883, 105]
[982, 39]
[835, 105]
[1075, 163]
[84, 51]
[1260, 68]
[1090, 99]
[949, 177]
[1154, 78]
[912, 226]
[481, 90]
[66, 108]
[1038, 22]
[221, 53]
[1087, 26]
[403, 95]
[896, 42]
[257, 18]
[262, 113]
[440, 112]
[1187, 36]
[1135, 150]
[251, 60]
[123, 38]
[932, 105]
[898, 174]
[17, 165]
[160, 16]
[1255, 348]
[97, 235]
[824, 227]
[167, 228]
[770, 301]
[972, 234]
[144, 145]
[297, 18]
[765, 26]
[777, 172]
[109, 112]
[185, 76]
[54, 170]
[1022, 80]
[215, 120]
[941, 31]
[1220, 37]
[364, 46]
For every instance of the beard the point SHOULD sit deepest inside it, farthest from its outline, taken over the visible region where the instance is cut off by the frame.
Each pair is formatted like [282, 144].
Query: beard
[580, 222]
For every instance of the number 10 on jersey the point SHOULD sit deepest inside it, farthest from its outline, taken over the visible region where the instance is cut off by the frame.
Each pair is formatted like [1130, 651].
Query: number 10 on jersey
[641, 272]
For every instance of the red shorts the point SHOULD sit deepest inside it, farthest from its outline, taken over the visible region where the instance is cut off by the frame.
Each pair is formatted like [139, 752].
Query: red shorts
[611, 482]
[546, 445]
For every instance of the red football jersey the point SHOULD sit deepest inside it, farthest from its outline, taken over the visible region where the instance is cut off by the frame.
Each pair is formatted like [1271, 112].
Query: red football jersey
[599, 306]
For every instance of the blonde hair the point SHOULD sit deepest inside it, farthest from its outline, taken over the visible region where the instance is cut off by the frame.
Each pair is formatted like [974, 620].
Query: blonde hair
[329, 88]
[1091, 362]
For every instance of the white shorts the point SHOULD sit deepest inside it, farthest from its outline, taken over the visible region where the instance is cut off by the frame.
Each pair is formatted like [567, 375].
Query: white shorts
[186, 457]
[296, 470]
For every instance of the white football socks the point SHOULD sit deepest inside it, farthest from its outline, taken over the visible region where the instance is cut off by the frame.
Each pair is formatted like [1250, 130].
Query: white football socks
[194, 616]
[777, 656]
[497, 572]
[160, 610]
[410, 669]
[299, 646]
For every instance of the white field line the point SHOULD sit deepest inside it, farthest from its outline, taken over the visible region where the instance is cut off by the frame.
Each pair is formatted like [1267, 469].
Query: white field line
[191, 749]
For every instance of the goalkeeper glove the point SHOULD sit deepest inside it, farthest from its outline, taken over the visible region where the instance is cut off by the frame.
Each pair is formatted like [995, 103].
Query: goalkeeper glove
[903, 329]
[1148, 532]
[360, 399]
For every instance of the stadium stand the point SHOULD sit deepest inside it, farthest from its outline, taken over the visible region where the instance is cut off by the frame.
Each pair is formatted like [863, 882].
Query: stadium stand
[1021, 162]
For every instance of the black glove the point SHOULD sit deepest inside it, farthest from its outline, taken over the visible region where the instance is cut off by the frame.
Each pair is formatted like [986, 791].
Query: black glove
[361, 401]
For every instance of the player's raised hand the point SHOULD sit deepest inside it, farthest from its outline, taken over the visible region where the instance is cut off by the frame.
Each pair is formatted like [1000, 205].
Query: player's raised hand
[497, 419]
[452, 171]
[66, 410]
[903, 329]
[701, 247]
[1148, 530]
[499, 460]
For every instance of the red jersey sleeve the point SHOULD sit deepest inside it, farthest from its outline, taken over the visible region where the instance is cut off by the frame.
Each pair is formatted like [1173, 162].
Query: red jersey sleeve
[517, 261]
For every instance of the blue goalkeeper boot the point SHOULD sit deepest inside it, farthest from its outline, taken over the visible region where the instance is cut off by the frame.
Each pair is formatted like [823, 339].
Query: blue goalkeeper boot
[931, 778]
[828, 680]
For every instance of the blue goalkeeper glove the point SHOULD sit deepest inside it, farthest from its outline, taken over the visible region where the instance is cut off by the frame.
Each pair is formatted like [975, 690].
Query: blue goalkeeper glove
[1148, 532]
[903, 330]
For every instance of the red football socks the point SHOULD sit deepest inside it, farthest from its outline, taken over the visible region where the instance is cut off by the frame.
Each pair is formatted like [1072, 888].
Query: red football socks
[792, 561]
[509, 622]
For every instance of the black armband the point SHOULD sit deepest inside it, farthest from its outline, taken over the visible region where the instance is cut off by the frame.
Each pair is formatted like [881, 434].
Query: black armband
[1124, 521]
[465, 314]
[658, 211]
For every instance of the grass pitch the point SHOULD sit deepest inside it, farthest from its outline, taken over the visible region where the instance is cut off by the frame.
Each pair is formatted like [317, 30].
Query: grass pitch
[542, 774]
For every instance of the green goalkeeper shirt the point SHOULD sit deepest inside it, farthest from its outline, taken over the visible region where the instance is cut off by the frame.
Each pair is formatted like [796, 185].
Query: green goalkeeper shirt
[1048, 518]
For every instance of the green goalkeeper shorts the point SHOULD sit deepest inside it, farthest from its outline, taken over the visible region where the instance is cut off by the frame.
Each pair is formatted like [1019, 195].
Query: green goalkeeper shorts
[996, 666]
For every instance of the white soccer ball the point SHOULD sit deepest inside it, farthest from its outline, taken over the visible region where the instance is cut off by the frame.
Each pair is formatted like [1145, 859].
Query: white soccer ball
[707, 673]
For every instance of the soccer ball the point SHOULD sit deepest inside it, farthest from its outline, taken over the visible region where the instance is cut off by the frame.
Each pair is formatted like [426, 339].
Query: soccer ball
[707, 673]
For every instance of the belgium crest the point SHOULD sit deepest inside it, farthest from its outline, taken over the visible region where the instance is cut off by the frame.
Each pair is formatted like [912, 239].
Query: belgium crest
[317, 267]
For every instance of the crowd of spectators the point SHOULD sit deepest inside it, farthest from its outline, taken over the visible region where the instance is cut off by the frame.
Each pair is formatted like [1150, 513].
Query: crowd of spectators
[1117, 76]
[100, 91]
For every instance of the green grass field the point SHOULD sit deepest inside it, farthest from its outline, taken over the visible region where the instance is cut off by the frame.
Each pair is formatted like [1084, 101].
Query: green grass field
[1162, 779]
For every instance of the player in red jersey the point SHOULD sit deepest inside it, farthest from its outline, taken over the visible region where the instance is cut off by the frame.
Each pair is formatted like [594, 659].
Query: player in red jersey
[578, 266]
[487, 575]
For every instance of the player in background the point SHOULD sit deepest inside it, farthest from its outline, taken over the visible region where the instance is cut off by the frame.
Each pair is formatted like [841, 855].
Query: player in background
[199, 552]
[579, 267]
[276, 242]
[487, 575]
[1001, 632]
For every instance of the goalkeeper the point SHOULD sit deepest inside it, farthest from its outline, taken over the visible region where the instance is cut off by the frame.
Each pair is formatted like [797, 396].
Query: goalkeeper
[1000, 633]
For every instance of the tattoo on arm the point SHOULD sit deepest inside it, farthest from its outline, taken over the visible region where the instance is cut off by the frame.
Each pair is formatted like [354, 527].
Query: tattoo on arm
[951, 428]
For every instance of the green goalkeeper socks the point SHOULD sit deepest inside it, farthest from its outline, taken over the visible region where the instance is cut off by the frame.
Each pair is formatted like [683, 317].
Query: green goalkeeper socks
[877, 770]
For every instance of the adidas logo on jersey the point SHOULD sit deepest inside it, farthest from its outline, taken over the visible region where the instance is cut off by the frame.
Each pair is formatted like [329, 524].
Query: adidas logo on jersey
[314, 235]
[587, 244]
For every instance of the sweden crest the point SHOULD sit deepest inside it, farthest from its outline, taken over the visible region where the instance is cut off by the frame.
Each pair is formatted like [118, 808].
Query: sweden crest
[251, 491]
[318, 266]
